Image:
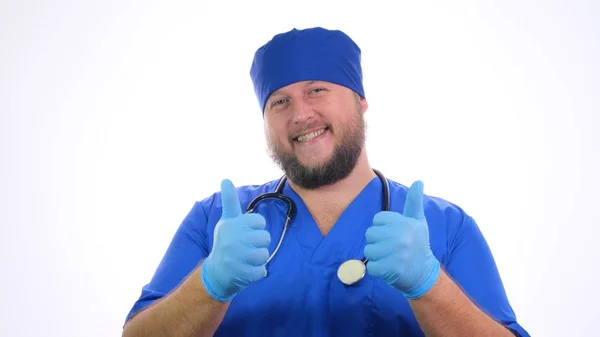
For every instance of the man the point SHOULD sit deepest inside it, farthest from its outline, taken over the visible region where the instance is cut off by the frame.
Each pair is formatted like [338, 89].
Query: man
[429, 270]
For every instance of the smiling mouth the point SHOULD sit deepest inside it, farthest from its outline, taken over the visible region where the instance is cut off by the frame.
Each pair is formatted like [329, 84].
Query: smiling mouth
[310, 136]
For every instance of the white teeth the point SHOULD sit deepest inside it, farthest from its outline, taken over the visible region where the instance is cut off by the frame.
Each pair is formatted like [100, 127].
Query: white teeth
[309, 136]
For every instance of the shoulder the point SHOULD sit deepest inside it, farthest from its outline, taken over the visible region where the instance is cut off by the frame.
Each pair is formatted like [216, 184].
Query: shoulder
[447, 221]
[435, 207]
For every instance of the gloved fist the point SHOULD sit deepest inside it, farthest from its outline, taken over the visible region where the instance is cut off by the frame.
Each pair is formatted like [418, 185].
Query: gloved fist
[398, 247]
[239, 251]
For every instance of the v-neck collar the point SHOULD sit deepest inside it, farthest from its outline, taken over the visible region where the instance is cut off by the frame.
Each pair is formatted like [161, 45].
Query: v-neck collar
[346, 239]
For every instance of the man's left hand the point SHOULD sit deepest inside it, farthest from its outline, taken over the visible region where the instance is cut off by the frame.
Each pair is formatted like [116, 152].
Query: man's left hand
[398, 247]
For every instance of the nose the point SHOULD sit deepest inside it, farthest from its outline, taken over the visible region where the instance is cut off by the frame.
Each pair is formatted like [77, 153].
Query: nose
[302, 111]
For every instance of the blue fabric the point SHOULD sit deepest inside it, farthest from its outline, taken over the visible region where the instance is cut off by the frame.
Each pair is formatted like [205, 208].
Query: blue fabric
[301, 296]
[303, 55]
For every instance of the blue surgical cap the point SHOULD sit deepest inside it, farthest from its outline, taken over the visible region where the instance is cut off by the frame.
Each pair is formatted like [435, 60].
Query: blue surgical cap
[313, 54]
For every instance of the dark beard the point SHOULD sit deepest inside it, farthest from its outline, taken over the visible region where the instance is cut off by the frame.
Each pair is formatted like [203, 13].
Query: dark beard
[344, 159]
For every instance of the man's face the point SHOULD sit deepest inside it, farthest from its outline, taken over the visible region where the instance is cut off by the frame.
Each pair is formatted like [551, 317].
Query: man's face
[315, 131]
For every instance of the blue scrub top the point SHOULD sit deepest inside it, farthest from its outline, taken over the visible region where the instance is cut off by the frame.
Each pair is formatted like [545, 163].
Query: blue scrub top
[302, 295]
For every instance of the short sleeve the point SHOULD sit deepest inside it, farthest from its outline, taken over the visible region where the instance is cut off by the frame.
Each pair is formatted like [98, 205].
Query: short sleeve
[472, 266]
[187, 248]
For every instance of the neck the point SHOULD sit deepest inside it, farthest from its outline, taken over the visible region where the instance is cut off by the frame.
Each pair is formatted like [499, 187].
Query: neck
[342, 191]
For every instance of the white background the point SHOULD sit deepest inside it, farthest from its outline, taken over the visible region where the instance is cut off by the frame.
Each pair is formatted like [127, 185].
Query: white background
[117, 115]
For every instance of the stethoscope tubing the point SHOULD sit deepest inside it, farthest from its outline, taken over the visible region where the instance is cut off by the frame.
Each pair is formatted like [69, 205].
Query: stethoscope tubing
[291, 212]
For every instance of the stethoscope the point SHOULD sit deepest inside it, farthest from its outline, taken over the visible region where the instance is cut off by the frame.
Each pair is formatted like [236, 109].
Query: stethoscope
[349, 272]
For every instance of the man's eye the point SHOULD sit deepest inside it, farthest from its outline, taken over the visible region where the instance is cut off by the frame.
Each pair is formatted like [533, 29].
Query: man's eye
[277, 102]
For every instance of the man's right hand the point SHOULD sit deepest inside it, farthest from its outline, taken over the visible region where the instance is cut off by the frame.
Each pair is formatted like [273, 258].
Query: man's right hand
[239, 251]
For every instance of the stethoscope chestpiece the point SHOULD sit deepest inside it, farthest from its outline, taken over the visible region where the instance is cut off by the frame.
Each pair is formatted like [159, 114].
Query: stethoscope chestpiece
[351, 271]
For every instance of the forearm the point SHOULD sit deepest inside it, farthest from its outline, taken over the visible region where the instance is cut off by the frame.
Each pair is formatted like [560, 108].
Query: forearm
[446, 311]
[187, 311]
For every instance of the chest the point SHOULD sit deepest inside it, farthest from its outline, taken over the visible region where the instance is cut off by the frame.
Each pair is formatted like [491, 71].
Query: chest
[325, 222]
[325, 216]
[306, 300]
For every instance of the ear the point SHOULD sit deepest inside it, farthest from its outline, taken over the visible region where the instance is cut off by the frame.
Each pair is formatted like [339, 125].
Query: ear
[364, 104]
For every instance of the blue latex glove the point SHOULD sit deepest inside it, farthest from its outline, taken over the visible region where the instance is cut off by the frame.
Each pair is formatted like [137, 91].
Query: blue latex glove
[398, 247]
[239, 251]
